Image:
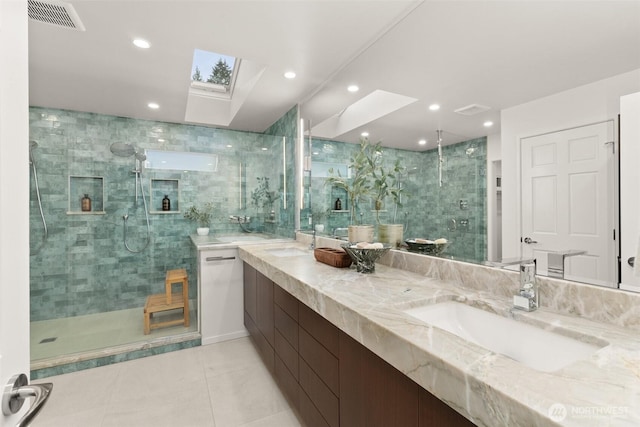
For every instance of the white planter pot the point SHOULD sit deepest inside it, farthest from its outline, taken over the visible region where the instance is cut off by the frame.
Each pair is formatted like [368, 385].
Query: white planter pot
[361, 233]
[391, 233]
[202, 231]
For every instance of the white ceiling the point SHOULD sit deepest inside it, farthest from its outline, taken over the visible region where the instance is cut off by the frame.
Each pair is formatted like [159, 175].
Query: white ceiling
[454, 53]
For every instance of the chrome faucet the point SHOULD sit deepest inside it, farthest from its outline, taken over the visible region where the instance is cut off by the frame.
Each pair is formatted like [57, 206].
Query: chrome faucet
[527, 297]
[313, 240]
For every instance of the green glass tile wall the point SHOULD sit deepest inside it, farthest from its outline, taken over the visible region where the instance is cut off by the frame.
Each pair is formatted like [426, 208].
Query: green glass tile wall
[83, 267]
[456, 211]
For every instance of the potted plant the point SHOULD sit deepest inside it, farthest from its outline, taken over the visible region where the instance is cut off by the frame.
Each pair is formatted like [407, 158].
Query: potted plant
[262, 197]
[358, 186]
[386, 185]
[202, 217]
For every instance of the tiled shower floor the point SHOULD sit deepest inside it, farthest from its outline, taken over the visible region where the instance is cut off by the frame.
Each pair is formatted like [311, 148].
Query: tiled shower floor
[51, 339]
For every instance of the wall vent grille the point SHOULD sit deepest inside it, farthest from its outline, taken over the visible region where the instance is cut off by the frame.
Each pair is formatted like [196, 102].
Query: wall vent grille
[55, 13]
[472, 110]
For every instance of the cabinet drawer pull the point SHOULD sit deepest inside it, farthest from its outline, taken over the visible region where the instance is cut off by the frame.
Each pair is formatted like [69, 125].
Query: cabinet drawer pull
[219, 258]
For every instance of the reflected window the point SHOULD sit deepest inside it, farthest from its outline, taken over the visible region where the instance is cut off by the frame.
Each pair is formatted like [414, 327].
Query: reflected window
[178, 160]
[321, 169]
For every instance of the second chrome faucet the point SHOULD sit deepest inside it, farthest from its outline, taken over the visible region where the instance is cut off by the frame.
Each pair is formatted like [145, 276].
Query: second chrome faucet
[527, 297]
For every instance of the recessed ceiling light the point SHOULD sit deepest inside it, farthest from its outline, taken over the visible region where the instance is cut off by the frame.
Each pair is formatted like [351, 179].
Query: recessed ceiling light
[364, 134]
[289, 75]
[353, 88]
[153, 105]
[422, 142]
[488, 124]
[434, 107]
[141, 43]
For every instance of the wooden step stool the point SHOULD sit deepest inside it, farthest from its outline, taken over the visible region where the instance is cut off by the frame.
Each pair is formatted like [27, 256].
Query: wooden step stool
[168, 301]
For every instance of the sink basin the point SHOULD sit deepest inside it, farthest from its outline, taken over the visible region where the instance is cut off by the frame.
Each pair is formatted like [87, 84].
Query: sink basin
[534, 347]
[286, 252]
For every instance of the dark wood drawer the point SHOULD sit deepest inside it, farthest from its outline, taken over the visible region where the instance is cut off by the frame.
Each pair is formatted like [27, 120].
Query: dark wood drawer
[323, 363]
[310, 414]
[286, 301]
[287, 353]
[250, 301]
[320, 328]
[264, 348]
[323, 399]
[287, 326]
[288, 384]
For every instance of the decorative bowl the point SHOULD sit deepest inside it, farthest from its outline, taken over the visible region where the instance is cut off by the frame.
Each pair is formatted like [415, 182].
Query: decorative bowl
[365, 259]
[429, 247]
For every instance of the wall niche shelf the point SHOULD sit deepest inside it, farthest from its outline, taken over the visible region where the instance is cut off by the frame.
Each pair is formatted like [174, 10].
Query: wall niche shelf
[92, 186]
[164, 187]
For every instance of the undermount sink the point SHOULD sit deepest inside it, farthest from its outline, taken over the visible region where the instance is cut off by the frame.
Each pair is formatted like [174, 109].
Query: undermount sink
[534, 347]
[287, 252]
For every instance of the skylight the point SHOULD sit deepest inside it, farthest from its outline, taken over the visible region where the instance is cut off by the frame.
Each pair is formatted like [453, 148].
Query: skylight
[213, 72]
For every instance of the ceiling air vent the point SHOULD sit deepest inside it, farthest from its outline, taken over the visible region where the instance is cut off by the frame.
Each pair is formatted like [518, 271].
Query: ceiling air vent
[55, 13]
[472, 110]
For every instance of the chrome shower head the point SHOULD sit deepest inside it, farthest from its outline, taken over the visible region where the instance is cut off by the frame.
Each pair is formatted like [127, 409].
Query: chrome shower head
[141, 156]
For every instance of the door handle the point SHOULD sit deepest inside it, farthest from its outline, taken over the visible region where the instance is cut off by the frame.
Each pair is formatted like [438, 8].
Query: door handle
[631, 261]
[17, 390]
[528, 241]
[219, 258]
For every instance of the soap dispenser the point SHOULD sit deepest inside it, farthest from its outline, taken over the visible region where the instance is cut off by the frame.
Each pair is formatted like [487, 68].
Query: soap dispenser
[166, 203]
[85, 203]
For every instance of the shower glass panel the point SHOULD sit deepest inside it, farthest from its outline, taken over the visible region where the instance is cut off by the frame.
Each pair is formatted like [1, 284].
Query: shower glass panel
[87, 289]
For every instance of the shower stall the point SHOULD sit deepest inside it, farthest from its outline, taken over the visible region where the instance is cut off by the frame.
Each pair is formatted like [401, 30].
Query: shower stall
[91, 270]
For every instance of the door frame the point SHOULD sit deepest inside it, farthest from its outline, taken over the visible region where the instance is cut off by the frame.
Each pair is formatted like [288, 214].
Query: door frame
[14, 195]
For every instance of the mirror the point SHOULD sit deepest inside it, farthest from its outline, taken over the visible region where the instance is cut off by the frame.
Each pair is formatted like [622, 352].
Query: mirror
[455, 210]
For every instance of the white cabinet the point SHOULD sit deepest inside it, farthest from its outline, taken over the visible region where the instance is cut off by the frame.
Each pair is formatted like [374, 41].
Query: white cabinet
[220, 283]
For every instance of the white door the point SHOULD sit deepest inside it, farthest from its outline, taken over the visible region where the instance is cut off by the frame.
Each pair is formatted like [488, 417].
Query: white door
[568, 201]
[14, 198]
[630, 190]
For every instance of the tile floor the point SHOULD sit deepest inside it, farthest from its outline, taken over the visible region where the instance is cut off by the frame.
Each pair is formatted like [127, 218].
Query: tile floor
[218, 385]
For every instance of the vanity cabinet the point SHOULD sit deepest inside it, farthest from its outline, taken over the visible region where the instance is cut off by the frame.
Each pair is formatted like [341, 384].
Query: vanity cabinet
[220, 287]
[330, 378]
[258, 313]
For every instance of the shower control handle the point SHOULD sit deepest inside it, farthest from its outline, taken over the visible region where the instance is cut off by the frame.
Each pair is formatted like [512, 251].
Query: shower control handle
[17, 390]
[219, 258]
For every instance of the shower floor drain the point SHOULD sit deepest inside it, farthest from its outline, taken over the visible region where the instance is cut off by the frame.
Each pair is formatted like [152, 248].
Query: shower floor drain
[46, 340]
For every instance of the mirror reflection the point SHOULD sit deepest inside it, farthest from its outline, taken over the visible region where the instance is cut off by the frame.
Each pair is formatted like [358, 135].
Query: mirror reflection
[455, 210]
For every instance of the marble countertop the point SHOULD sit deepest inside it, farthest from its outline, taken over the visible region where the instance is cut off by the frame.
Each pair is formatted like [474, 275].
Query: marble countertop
[224, 241]
[488, 388]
